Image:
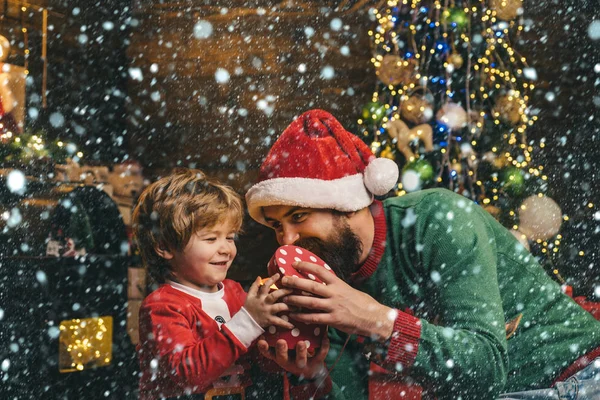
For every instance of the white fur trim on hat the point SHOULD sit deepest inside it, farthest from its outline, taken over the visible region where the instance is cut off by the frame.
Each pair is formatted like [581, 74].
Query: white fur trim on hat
[345, 194]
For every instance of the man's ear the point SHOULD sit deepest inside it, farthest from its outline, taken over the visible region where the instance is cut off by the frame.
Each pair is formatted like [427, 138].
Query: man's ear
[163, 252]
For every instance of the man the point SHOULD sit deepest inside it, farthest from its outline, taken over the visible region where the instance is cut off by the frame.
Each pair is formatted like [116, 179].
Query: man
[428, 285]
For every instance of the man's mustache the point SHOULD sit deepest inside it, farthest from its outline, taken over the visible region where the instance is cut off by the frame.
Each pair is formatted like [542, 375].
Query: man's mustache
[314, 245]
[338, 256]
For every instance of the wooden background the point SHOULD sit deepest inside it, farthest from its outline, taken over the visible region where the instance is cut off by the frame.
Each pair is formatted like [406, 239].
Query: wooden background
[182, 114]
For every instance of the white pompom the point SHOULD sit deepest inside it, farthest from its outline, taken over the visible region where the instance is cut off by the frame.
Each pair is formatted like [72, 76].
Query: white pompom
[381, 176]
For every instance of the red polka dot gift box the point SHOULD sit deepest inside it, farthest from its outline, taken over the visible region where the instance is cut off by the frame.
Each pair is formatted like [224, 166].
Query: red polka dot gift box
[281, 263]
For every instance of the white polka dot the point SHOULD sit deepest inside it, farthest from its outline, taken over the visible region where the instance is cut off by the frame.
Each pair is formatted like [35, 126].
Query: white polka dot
[297, 259]
[282, 270]
[282, 251]
[272, 330]
[307, 343]
[313, 259]
[281, 260]
[295, 332]
[317, 331]
[298, 250]
[285, 318]
[311, 276]
[327, 267]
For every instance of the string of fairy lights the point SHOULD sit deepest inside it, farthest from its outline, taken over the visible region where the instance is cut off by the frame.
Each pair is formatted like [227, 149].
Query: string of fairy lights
[85, 343]
[456, 57]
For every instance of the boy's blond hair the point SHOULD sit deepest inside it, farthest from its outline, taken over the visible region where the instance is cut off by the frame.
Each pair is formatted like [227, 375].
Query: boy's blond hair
[172, 209]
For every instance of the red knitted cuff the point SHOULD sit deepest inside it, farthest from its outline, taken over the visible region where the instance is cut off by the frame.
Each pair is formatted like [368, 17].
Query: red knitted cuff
[404, 343]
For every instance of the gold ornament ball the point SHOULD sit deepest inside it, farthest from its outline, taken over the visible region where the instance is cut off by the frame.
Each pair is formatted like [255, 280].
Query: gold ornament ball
[394, 70]
[456, 60]
[508, 109]
[539, 217]
[493, 210]
[4, 48]
[416, 109]
[387, 153]
[456, 166]
[500, 161]
[506, 10]
[476, 122]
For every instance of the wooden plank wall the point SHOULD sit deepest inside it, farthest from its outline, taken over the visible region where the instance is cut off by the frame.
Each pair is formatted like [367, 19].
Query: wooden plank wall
[180, 115]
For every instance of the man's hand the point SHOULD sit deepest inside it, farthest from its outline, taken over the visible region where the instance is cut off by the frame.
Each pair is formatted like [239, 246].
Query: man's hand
[300, 365]
[338, 305]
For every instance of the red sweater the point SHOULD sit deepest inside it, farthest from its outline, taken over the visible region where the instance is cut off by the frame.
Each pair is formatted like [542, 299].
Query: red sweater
[182, 349]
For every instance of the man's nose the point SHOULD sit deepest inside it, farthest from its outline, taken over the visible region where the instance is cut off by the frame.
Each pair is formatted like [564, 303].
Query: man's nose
[288, 236]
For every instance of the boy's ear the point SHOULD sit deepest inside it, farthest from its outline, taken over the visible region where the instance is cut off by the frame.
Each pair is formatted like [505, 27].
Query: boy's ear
[163, 252]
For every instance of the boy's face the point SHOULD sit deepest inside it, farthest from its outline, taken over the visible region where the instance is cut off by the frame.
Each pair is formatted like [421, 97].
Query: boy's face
[204, 262]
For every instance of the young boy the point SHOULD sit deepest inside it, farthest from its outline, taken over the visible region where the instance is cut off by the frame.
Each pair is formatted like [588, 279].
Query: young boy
[196, 325]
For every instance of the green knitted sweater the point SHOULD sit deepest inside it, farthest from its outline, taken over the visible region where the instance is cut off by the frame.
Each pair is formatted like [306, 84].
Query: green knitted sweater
[465, 276]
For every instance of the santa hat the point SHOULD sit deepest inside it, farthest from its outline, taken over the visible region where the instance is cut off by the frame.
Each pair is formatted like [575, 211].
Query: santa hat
[316, 163]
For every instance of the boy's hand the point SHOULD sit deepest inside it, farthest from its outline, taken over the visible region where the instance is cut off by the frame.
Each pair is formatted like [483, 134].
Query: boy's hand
[300, 365]
[264, 307]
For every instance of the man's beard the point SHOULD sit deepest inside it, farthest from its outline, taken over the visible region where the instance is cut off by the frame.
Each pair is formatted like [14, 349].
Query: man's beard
[341, 250]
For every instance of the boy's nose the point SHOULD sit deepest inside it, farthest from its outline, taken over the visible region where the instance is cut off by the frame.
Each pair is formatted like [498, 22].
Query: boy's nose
[226, 248]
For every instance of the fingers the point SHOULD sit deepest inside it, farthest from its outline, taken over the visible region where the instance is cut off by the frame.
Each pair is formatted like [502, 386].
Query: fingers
[322, 353]
[301, 354]
[317, 270]
[306, 285]
[281, 352]
[310, 302]
[254, 288]
[279, 307]
[263, 348]
[282, 323]
[266, 287]
[317, 318]
[278, 294]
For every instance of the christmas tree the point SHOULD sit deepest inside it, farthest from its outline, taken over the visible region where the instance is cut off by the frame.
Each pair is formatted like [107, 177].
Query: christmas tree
[452, 107]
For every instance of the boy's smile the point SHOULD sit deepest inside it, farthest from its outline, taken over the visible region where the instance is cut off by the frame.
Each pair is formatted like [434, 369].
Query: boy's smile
[220, 263]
